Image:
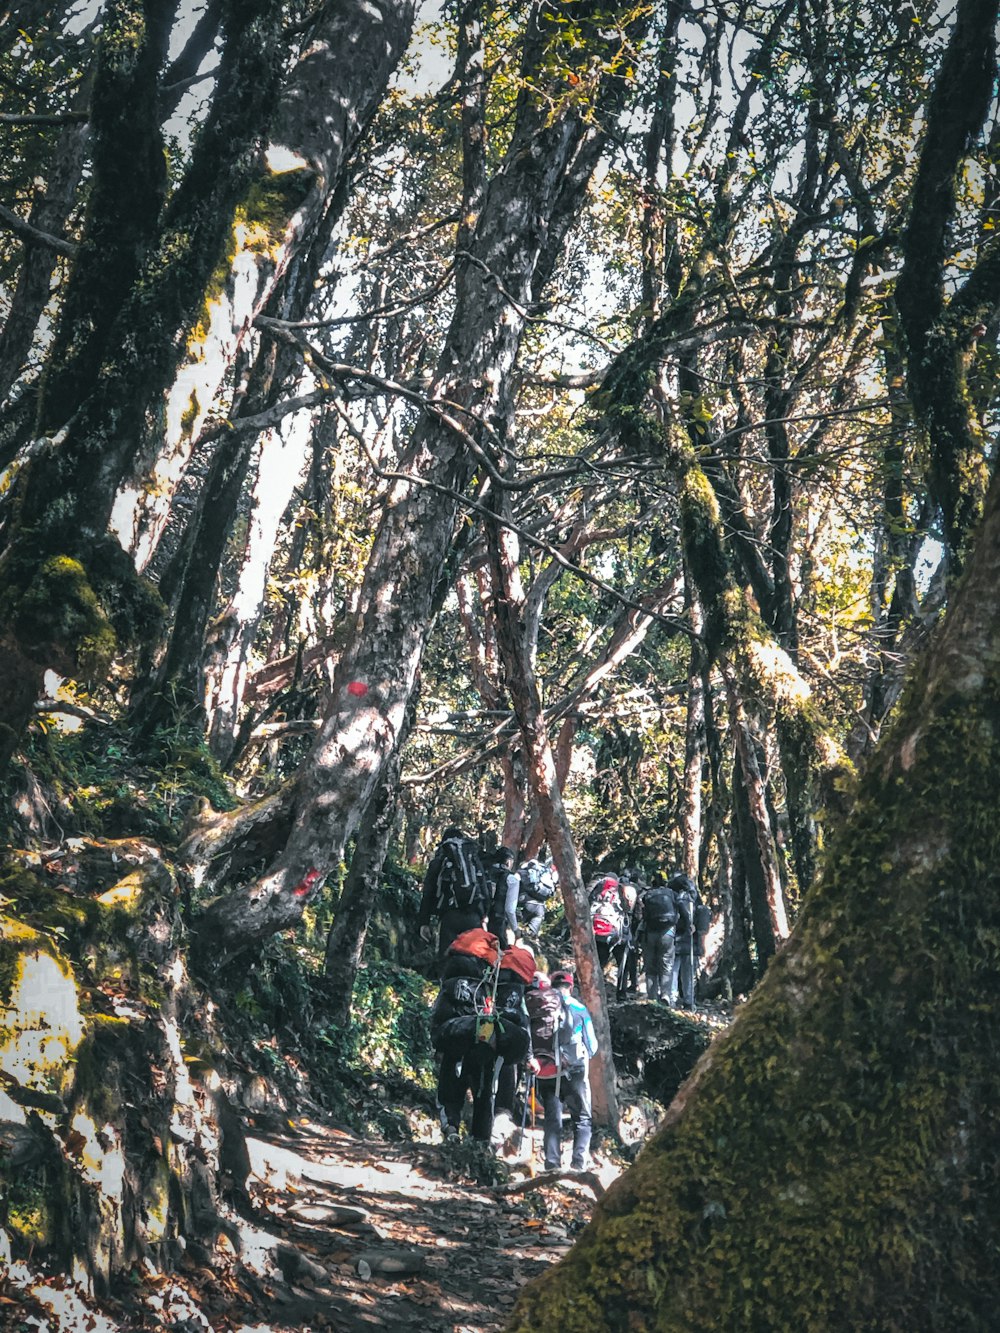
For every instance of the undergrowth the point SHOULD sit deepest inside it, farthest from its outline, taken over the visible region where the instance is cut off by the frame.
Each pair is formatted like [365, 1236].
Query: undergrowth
[99, 781]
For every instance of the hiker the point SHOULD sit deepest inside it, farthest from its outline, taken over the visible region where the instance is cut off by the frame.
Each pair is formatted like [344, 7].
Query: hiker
[563, 1042]
[658, 912]
[626, 953]
[682, 980]
[513, 1032]
[478, 1025]
[506, 892]
[608, 913]
[459, 1018]
[455, 890]
[537, 886]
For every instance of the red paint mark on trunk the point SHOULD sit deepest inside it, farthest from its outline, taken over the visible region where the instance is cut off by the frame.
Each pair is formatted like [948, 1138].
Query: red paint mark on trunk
[307, 883]
[358, 688]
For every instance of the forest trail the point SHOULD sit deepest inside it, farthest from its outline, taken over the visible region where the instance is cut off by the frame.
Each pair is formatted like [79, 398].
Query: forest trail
[330, 1207]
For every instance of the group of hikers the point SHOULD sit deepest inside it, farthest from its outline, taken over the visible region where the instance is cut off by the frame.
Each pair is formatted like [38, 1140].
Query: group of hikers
[500, 1015]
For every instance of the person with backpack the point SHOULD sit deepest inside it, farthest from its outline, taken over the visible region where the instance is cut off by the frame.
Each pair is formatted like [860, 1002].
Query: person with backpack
[478, 1025]
[625, 952]
[455, 890]
[682, 981]
[609, 912]
[658, 910]
[563, 1042]
[506, 894]
[537, 887]
[512, 1036]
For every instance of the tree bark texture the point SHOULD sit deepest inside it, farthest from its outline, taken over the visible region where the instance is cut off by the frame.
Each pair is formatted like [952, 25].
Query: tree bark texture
[755, 666]
[282, 459]
[529, 204]
[66, 590]
[346, 941]
[936, 332]
[49, 211]
[694, 753]
[832, 1162]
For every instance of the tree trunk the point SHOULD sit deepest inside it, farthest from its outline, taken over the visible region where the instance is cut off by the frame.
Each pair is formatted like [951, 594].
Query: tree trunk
[324, 111]
[174, 689]
[346, 941]
[49, 211]
[856, 1095]
[753, 663]
[753, 875]
[513, 639]
[937, 334]
[694, 750]
[68, 590]
[282, 459]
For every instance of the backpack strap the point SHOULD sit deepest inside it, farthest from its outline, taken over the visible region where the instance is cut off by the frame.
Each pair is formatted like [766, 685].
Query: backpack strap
[487, 1019]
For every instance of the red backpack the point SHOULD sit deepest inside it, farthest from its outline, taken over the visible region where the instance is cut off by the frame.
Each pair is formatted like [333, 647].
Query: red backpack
[606, 911]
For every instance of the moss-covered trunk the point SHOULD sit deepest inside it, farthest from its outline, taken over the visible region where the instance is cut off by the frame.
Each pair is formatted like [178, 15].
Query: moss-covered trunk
[68, 593]
[116, 1137]
[833, 1163]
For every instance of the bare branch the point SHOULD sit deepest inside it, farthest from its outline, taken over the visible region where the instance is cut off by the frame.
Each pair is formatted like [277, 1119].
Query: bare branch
[32, 236]
[30, 118]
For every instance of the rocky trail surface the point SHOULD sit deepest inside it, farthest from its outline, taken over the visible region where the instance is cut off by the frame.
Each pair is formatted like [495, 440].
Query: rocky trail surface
[344, 1233]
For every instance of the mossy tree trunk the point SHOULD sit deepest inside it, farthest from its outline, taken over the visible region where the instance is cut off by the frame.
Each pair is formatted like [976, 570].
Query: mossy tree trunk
[134, 1152]
[280, 277]
[833, 1161]
[67, 590]
[280, 234]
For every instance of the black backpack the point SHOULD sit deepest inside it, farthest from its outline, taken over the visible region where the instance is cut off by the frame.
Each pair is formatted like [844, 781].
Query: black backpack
[659, 908]
[462, 880]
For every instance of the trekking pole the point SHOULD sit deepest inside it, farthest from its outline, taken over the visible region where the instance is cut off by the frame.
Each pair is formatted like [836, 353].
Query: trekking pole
[531, 1151]
[524, 1111]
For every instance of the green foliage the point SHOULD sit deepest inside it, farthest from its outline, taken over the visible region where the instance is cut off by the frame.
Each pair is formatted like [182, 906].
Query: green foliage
[276, 1014]
[105, 780]
[390, 1022]
[29, 1209]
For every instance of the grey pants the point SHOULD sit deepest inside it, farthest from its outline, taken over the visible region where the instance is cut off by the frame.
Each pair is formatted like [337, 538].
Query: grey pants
[659, 956]
[574, 1094]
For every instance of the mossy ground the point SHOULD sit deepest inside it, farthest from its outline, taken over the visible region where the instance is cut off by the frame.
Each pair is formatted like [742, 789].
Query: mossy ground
[101, 781]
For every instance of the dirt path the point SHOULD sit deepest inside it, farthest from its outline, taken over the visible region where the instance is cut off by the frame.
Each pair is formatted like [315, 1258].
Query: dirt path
[331, 1210]
[472, 1246]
